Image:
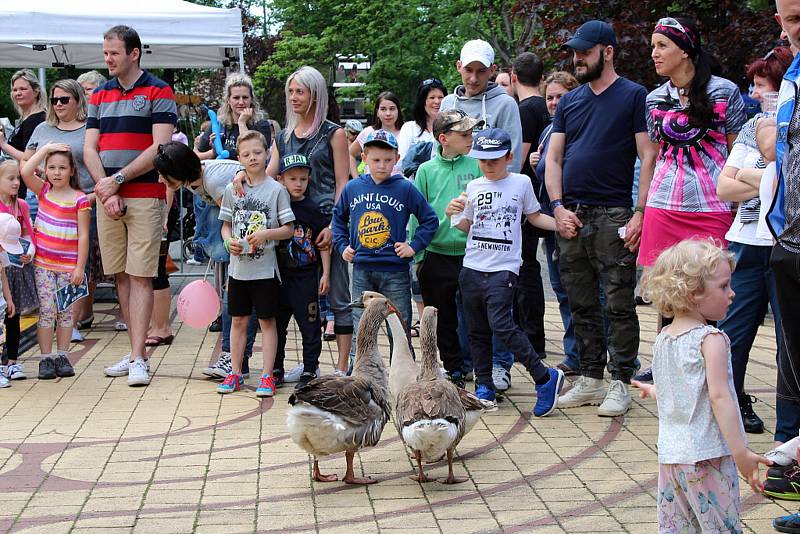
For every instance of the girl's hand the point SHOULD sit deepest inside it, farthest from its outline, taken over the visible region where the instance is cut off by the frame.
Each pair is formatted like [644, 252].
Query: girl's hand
[56, 147]
[25, 259]
[238, 180]
[645, 390]
[256, 239]
[11, 310]
[324, 283]
[748, 462]
[76, 278]
[234, 247]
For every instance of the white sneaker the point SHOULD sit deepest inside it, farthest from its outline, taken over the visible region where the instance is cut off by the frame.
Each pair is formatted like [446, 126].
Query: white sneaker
[192, 261]
[120, 368]
[294, 374]
[4, 383]
[138, 374]
[120, 326]
[76, 336]
[501, 378]
[15, 371]
[337, 372]
[221, 368]
[617, 401]
[585, 391]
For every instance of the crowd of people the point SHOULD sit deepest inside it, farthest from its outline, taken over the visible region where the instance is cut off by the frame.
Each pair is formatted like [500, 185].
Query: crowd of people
[448, 210]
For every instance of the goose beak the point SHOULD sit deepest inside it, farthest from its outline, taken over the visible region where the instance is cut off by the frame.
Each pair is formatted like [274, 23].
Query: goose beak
[358, 303]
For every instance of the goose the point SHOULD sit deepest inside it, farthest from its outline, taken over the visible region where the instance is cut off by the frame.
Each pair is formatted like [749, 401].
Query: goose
[333, 414]
[431, 414]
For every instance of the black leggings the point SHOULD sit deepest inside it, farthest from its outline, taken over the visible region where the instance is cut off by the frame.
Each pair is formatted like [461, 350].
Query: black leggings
[12, 338]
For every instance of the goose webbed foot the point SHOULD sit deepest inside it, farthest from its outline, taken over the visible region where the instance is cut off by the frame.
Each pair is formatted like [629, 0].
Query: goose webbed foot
[451, 478]
[319, 477]
[420, 477]
[349, 476]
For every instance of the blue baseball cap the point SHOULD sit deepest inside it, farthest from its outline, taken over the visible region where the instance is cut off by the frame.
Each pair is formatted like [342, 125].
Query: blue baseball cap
[591, 34]
[292, 161]
[491, 143]
[381, 137]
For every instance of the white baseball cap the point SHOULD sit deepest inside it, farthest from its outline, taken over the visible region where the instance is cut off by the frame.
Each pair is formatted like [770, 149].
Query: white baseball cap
[10, 233]
[477, 50]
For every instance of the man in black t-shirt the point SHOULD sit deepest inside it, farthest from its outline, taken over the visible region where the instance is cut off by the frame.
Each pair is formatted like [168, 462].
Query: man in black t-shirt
[598, 130]
[526, 75]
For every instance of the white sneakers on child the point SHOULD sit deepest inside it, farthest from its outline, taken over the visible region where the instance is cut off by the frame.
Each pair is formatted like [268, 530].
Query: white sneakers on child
[587, 391]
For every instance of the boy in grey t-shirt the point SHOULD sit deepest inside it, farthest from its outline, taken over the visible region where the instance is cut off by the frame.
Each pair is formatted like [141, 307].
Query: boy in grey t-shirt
[252, 225]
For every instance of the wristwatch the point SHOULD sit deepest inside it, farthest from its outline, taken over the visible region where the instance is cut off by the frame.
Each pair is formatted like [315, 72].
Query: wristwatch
[556, 203]
[119, 178]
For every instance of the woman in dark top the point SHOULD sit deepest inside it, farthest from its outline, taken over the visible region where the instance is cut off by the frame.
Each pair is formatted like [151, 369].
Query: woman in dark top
[26, 93]
[238, 114]
[324, 143]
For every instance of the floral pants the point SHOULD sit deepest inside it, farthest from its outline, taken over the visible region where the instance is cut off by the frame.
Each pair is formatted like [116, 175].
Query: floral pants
[47, 283]
[701, 497]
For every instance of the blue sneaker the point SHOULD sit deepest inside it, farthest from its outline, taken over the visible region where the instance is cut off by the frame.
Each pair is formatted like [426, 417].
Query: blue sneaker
[787, 523]
[547, 394]
[485, 394]
[645, 376]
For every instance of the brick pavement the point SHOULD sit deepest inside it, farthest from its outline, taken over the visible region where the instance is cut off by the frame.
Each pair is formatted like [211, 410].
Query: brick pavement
[90, 455]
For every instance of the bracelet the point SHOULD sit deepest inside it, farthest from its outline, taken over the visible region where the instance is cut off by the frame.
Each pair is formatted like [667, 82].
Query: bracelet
[556, 203]
[227, 244]
[640, 209]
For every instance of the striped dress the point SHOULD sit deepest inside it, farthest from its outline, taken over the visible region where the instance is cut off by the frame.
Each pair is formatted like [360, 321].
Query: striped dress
[56, 231]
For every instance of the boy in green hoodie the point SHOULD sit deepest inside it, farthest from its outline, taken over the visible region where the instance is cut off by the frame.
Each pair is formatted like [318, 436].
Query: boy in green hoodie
[441, 179]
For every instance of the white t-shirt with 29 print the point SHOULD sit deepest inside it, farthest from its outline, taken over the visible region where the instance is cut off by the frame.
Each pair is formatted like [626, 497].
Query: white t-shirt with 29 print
[496, 209]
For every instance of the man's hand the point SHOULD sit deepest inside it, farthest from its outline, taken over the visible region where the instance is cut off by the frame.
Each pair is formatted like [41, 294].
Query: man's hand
[348, 254]
[114, 207]
[567, 222]
[404, 250]
[106, 188]
[324, 239]
[633, 231]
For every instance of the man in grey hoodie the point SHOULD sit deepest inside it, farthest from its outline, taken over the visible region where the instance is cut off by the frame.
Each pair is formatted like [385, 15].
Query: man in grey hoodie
[485, 100]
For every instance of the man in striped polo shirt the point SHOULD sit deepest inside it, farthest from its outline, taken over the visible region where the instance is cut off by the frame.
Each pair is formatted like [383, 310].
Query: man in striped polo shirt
[129, 117]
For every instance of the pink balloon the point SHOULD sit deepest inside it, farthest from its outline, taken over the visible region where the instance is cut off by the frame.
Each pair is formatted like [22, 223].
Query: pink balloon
[198, 304]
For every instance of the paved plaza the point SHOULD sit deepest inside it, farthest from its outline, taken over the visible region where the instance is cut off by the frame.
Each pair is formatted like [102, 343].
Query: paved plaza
[91, 455]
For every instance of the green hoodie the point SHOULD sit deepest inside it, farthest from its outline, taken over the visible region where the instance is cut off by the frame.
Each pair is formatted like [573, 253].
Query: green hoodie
[440, 180]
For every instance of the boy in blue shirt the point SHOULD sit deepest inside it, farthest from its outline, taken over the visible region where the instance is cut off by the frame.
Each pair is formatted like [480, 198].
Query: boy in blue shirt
[492, 214]
[369, 226]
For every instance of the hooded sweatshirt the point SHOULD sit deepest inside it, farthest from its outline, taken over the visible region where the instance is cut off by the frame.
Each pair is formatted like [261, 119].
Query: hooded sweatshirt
[496, 108]
[372, 217]
[440, 180]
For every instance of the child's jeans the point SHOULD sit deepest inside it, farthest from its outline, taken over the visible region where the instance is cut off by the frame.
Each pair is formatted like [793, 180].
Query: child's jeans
[47, 284]
[488, 300]
[300, 298]
[394, 285]
[701, 497]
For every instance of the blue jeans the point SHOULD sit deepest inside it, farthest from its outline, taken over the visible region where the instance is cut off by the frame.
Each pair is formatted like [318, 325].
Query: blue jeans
[572, 358]
[199, 207]
[754, 285]
[339, 294]
[394, 285]
[488, 300]
[501, 356]
[212, 240]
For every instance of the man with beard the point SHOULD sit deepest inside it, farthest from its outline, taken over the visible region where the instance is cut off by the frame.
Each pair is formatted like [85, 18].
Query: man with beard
[598, 130]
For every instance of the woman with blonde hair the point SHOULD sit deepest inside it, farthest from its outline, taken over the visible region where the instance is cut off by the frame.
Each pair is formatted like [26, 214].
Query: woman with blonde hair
[29, 101]
[238, 114]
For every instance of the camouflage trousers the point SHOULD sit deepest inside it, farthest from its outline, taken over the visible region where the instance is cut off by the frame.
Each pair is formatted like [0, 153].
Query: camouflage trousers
[593, 260]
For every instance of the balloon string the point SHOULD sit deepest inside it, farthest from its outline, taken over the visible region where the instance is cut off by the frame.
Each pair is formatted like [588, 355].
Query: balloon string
[208, 268]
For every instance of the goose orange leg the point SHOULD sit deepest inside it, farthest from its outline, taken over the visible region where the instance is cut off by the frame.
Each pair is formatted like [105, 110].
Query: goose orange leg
[319, 477]
[349, 477]
[451, 478]
[420, 476]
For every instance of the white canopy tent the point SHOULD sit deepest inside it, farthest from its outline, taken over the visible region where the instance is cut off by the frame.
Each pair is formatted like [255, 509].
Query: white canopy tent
[174, 33]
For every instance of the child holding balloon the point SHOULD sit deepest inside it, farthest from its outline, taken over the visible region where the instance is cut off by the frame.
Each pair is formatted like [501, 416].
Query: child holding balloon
[252, 225]
[61, 231]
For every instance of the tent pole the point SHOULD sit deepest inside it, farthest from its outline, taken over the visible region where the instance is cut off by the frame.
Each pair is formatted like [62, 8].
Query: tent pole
[241, 59]
[43, 80]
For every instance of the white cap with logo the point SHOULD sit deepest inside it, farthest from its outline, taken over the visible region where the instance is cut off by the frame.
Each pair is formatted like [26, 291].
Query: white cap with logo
[10, 233]
[477, 50]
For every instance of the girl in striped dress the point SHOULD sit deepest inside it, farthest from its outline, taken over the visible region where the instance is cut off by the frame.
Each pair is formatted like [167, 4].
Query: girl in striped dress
[61, 233]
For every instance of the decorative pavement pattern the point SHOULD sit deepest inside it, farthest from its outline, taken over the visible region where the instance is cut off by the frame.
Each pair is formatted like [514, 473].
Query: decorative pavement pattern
[91, 455]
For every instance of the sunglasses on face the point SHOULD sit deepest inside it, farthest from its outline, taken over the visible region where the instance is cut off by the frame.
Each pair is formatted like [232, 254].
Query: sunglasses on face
[60, 100]
[669, 22]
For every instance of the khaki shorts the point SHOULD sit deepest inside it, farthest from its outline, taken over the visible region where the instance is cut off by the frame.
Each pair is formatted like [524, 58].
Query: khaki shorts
[131, 244]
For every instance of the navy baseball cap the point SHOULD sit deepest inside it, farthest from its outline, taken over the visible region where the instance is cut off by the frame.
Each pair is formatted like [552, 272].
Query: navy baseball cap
[381, 137]
[590, 34]
[292, 161]
[491, 143]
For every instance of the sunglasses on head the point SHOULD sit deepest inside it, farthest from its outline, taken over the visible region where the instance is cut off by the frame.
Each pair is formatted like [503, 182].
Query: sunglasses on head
[60, 100]
[669, 22]
[431, 81]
